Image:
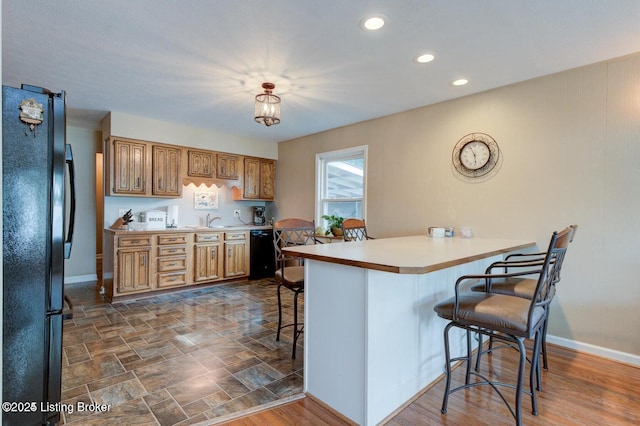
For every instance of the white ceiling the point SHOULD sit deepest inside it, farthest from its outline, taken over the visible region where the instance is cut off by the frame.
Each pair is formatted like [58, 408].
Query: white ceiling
[201, 62]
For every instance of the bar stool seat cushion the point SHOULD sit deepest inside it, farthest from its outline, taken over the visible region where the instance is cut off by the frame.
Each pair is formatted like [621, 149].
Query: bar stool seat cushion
[507, 314]
[521, 287]
[293, 275]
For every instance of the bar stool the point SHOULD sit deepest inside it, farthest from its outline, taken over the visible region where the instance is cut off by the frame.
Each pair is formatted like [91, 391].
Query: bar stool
[520, 286]
[289, 269]
[509, 319]
[354, 230]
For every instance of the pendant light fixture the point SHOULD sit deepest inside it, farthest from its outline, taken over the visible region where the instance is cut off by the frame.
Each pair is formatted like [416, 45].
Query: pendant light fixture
[267, 107]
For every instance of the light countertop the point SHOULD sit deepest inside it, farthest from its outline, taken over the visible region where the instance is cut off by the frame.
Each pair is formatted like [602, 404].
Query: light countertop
[409, 255]
[189, 229]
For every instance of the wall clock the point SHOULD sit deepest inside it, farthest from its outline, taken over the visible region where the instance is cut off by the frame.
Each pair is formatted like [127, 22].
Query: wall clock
[475, 155]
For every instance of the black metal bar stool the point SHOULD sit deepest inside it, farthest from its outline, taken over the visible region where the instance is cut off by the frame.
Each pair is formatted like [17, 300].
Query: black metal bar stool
[290, 269]
[520, 286]
[509, 319]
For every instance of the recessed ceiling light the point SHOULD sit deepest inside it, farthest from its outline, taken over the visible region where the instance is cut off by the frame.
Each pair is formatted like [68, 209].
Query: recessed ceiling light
[373, 23]
[460, 82]
[424, 58]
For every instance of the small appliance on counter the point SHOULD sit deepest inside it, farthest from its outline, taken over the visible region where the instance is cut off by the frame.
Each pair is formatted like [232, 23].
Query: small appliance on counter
[154, 219]
[172, 216]
[258, 215]
[439, 232]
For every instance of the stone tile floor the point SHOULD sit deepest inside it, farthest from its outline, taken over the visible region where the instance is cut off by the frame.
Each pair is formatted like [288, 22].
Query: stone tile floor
[192, 357]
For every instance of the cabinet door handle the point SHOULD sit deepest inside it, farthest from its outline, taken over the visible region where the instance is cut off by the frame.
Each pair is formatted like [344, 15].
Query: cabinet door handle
[138, 183]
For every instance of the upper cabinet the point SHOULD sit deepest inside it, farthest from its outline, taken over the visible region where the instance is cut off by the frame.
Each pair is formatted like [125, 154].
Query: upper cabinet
[259, 179]
[267, 179]
[142, 169]
[228, 166]
[148, 169]
[201, 163]
[129, 167]
[167, 181]
[251, 183]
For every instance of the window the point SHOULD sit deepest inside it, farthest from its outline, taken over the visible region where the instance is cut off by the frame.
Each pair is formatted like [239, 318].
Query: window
[341, 178]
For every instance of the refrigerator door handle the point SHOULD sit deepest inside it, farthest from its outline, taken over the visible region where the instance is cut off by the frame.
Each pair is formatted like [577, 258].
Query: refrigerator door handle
[72, 213]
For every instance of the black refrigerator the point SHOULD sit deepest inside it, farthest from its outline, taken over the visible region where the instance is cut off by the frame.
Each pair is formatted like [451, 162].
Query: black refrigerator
[38, 206]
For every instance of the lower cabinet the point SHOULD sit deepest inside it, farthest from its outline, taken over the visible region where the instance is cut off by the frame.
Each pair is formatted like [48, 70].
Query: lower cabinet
[207, 259]
[236, 258]
[133, 267]
[138, 262]
[133, 271]
[171, 260]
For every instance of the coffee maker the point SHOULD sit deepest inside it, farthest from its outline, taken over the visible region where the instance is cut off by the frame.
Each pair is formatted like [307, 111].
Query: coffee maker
[258, 215]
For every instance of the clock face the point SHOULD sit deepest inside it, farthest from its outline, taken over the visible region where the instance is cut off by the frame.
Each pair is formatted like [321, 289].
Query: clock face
[475, 155]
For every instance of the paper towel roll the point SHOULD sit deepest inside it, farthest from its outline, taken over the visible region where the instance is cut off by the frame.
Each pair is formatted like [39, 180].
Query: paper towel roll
[172, 215]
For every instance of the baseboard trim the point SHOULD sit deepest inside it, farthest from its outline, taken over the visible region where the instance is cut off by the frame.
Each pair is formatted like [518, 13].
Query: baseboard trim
[80, 278]
[588, 348]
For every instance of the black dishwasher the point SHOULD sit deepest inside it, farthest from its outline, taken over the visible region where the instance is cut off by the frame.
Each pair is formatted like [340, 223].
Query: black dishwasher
[263, 259]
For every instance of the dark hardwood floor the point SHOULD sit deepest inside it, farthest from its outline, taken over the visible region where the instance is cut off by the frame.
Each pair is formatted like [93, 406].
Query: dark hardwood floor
[578, 389]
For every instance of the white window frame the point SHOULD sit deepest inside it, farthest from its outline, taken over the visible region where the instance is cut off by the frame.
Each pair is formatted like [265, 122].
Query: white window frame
[347, 153]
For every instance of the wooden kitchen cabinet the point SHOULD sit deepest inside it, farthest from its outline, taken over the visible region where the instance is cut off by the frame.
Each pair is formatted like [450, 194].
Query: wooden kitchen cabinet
[259, 180]
[171, 260]
[133, 267]
[133, 270]
[251, 185]
[167, 179]
[145, 261]
[236, 254]
[208, 264]
[267, 179]
[227, 166]
[142, 169]
[129, 163]
[201, 163]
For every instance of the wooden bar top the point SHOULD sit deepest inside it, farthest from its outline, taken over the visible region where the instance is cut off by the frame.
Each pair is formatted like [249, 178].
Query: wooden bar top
[409, 255]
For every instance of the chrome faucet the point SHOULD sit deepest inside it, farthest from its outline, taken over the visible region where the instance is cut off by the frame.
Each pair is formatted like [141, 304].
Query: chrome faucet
[211, 219]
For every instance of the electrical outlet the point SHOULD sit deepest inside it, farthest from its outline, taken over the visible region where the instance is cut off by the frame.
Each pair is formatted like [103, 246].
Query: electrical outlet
[236, 213]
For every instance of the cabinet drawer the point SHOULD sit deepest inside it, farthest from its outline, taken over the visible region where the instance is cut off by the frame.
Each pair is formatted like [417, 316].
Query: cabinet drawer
[166, 239]
[134, 241]
[172, 251]
[172, 279]
[207, 237]
[172, 264]
[233, 236]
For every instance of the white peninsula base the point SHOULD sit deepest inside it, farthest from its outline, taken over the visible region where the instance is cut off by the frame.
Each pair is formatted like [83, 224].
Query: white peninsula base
[372, 339]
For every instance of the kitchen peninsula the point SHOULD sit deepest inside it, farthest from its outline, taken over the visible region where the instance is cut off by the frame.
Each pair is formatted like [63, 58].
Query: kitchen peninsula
[372, 340]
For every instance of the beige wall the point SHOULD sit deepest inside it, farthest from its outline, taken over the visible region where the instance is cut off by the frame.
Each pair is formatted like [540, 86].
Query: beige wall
[81, 266]
[570, 146]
